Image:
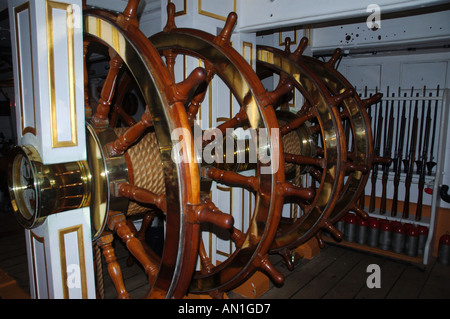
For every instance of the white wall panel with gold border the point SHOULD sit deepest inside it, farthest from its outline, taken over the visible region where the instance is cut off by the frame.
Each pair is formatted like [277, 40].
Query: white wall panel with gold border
[60, 259]
[48, 70]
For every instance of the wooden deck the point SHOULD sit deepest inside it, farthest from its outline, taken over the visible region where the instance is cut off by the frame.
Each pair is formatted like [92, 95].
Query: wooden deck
[336, 273]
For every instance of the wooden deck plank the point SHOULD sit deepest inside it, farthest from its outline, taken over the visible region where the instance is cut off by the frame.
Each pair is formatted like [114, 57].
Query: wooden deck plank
[327, 279]
[437, 285]
[336, 273]
[297, 279]
[411, 283]
[352, 282]
[390, 272]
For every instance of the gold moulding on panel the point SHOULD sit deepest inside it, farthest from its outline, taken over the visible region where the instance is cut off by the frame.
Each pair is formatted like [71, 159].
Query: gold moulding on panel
[50, 6]
[41, 240]
[211, 14]
[248, 45]
[17, 10]
[78, 230]
[180, 12]
[281, 40]
[230, 191]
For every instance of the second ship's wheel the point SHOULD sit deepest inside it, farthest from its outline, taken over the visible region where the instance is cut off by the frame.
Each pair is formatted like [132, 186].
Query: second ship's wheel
[322, 153]
[264, 177]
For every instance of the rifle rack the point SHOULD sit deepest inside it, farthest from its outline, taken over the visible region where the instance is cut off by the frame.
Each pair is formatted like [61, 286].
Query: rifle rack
[432, 180]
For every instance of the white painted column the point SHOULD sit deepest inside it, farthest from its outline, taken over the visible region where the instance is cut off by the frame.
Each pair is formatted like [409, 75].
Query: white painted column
[47, 47]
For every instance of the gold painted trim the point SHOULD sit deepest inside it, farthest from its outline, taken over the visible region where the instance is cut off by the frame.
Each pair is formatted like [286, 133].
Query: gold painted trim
[62, 251]
[229, 190]
[281, 40]
[17, 10]
[308, 34]
[222, 119]
[211, 14]
[41, 240]
[50, 5]
[180, 12]
[210, 104]
[246, 44]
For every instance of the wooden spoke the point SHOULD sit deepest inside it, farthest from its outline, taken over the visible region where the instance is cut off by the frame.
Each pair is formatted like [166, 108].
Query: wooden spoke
[288, 258]
[142, 195]
[237, 237]
[360, 212]
[131, 135]
[105, 243]
[223, 38]
[288, 190]
[300, 49]
[181, 92]
[320, 239]
[337, 99]
[205, 261]
[264, 264]
[306, 160]
[209, 213]
[140, 234]
[372, 100]
[351, 167]
[117, 223]
[331, 63]
[299, 121]
[118, 111]
[123, 87]
[315, 174]
[200, 96]
[171, 58]
[170, 24]
[100, 118]
[233, 179]
[284, 86]
[129, 15]
[328, 226]
[239, 119]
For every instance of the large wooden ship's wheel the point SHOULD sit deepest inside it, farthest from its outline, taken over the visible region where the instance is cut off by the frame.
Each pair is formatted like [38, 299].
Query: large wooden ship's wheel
[264, 179]
[321, 152]
[179, 198]
[351, 110]
[360, 151]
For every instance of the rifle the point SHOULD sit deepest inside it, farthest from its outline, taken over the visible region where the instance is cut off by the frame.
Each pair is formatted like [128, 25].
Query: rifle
[399, 161]
[431, 163]
[406, 160]
[422, 165]
[397, 127]
[422, 120]
[387, 154]
[376, 151]
[412, 155]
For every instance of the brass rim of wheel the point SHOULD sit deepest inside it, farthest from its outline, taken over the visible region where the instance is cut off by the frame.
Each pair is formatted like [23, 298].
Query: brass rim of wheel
[355, 113]
[331, 134]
